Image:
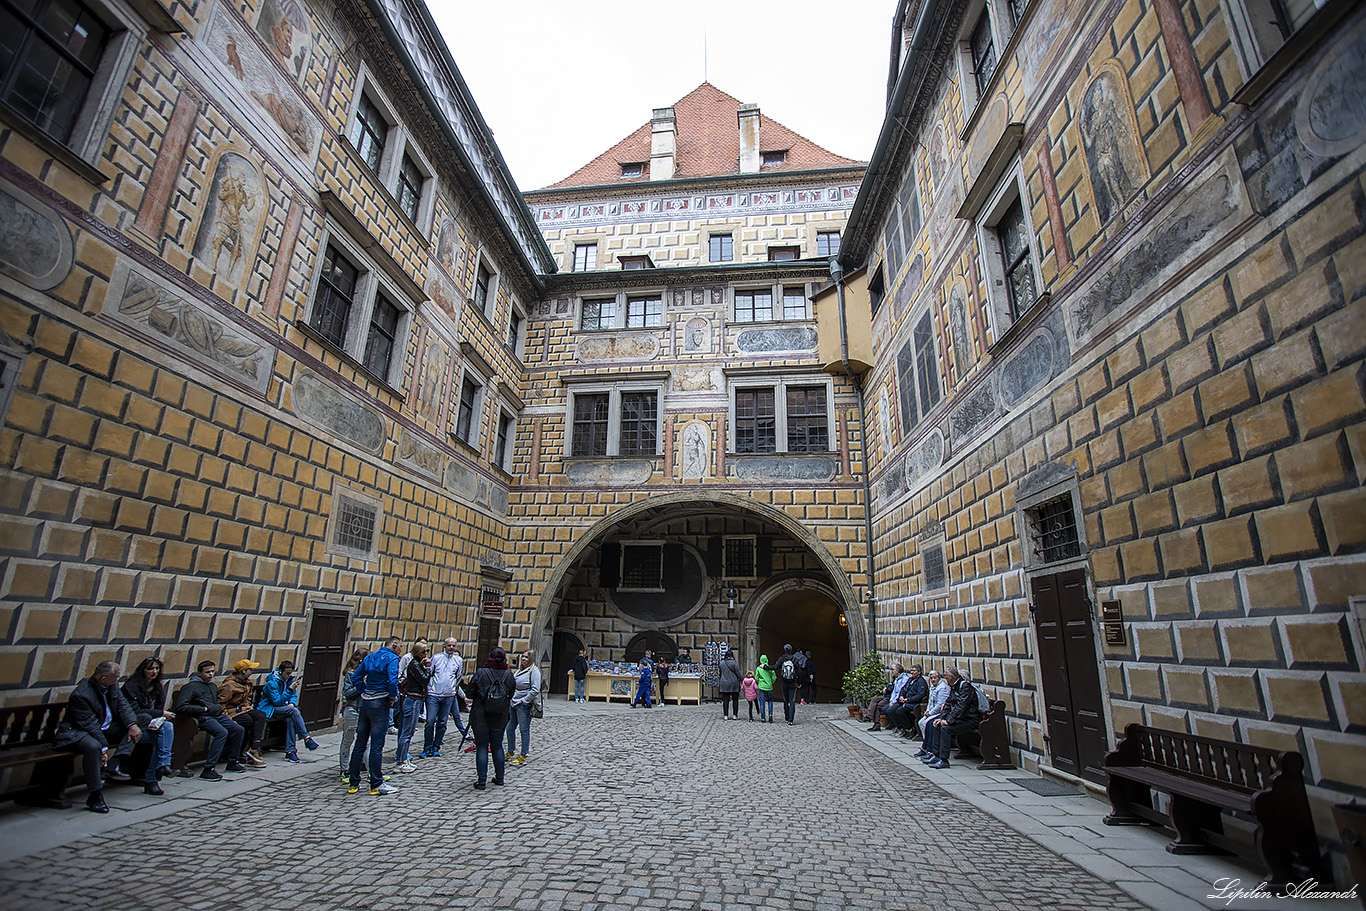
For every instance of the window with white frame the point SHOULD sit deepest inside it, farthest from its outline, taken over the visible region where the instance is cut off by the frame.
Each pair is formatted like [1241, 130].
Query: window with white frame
[642, 566]
[618, 420]
[771, 415]
[1009, 261]
[917, 369]
[827, 243]
[644, 311]
[469, 408]
[1259, 28]
[585, 257]
[65, 63]
[721, 248]
[598, 313]
[387, 148]
[358, 310]
[757, 305]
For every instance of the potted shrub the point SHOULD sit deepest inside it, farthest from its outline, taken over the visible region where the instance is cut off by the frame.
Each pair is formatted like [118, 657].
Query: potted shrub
[864, 681]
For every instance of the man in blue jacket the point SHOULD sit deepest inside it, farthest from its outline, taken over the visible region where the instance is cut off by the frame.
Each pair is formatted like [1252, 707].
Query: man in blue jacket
[377, 680]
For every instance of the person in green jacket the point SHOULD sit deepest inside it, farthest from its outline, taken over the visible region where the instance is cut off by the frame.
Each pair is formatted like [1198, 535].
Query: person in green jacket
[765, 676]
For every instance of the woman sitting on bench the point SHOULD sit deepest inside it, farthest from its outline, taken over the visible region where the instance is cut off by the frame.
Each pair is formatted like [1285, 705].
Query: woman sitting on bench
[146, 693]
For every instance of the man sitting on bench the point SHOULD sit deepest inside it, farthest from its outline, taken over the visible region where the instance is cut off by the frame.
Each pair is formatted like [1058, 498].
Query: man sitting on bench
[960, 716]
[878, 707]
[198, 699]
[97, 715]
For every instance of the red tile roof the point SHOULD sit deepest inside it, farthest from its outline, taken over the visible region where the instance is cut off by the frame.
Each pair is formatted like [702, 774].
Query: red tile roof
[708, 145]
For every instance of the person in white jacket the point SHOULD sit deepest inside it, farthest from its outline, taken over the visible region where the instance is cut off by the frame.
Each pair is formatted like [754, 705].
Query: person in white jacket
[528, 677]
[447, 669]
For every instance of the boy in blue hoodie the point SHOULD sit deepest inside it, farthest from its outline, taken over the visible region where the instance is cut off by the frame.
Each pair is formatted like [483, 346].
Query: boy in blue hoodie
[377, 680]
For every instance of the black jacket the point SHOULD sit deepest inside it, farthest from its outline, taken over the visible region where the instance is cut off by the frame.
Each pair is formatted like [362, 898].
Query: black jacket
[917, 691]
[85, 711]
[961, 704]
[484, 712]
[147, 702]
[580, 667]
[197, 699]
[415, 681]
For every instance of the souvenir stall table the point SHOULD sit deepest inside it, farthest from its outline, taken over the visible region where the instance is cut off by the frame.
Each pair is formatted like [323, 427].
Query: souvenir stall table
[612, 681]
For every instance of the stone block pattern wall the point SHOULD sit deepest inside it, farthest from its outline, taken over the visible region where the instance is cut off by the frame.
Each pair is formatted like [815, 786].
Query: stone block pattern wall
[1207, 398]
[176, 444]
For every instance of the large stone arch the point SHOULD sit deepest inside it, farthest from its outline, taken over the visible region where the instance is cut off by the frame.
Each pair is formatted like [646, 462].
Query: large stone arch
[842, 591]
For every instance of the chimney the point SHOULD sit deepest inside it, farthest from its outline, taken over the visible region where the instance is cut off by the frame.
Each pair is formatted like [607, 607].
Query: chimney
[663, 144]
[749, 138]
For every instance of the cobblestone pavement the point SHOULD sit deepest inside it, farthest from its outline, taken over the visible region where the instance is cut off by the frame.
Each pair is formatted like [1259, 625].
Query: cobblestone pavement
[618, 809]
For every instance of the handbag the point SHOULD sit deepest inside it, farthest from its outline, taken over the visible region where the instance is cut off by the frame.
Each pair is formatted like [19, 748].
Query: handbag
[536, 710]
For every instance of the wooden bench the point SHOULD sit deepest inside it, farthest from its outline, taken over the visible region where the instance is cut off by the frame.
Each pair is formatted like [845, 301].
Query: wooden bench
[26, 733]
[188, 747]
[1206, 777]
[990, 742]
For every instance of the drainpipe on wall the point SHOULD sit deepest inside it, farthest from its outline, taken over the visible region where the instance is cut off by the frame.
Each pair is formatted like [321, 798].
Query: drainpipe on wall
[837, 275]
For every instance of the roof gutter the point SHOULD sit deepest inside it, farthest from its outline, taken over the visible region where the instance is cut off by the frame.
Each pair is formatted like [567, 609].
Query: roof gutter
[855, 247]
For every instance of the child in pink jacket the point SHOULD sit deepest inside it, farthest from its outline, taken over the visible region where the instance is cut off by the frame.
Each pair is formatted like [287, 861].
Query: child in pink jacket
[750, 687]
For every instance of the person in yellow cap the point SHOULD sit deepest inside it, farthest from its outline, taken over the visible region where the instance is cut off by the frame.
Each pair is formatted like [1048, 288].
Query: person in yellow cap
[234, 694]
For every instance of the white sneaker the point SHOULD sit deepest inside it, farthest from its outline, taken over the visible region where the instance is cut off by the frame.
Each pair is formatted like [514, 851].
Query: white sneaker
[406, 767]
[384, 788]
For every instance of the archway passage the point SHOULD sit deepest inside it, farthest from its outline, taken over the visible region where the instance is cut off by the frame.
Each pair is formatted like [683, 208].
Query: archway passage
[662, 645]
[809, 621]
[562, 656]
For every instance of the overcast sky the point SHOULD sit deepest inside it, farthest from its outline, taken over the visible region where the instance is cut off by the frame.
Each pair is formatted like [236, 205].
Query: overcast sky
[561, 81]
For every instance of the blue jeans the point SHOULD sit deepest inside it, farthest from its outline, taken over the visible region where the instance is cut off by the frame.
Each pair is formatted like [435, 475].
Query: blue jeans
[521, 718]
[407, 725]
[438, 707]
[224, 732]
[294, 725]
[165, 738]
[483, 739]
[578, 688]
[371, 727]
[765, 704]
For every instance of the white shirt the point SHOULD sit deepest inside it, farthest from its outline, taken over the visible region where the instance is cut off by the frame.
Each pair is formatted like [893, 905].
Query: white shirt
[446, 673]
[938, 696]
[898, 685]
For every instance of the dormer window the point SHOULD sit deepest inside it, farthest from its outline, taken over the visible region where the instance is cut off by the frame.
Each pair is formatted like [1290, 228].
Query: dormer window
[632, 169]
[636, 262]
[774, 158]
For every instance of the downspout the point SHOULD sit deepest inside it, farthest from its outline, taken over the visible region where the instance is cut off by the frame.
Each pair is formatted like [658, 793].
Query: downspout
[837, 274]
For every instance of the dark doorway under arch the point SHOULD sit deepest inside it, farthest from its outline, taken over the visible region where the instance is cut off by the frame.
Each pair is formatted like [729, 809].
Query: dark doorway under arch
[657, 642]
[566, 647]
[809, 621]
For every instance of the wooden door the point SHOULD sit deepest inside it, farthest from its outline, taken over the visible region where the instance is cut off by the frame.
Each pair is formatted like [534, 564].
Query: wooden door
[565, 650]
[323, 666]
[1070, 674]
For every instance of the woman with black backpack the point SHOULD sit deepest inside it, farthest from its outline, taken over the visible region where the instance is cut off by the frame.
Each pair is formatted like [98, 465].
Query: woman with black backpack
[490, 694]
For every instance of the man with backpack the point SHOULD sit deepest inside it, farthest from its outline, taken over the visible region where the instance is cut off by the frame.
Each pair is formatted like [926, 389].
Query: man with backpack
[792, 674]
[961, 714]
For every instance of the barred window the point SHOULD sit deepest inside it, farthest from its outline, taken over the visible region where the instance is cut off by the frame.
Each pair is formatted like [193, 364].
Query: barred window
[1053, 530]
[739, 557]
[354, 524]
[642, 567]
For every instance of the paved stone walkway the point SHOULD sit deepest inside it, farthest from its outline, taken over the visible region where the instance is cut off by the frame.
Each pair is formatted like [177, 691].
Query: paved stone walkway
[618, 809]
